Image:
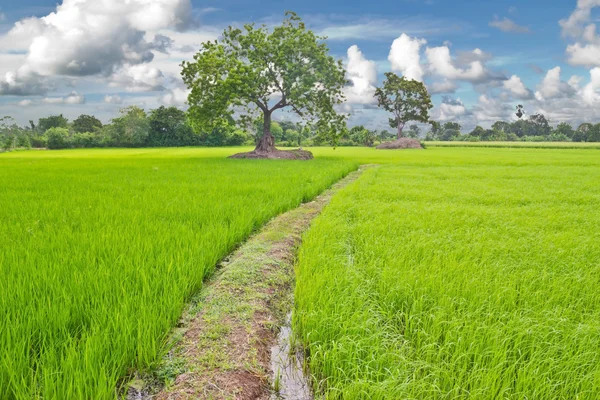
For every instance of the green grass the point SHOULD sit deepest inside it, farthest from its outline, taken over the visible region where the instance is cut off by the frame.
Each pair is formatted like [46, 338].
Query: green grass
[538, 145]
[456, 273]
[100, 249]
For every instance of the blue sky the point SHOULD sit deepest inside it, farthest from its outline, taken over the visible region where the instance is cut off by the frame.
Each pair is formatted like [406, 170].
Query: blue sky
[479, 58]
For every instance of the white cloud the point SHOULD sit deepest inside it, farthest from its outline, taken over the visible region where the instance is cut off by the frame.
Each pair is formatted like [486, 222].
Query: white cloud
[586, 49]
[363, 75]
[175, 97]
[552, 87]
[517, 88]
[72, 98]
[441, 64]
[591, 92]
[445, 86]
[405, 56]
[508, 25]
[138, 78]
[113, 99]
[586, 55]
[90, 37]
[449, 110]
[25, 103]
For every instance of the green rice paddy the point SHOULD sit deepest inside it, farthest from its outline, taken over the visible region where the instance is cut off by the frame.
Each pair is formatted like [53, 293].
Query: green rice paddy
[449, 273]
[100, 249]
[454, 274]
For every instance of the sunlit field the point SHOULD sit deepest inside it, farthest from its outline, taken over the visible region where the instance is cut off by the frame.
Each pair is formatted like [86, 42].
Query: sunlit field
[100, 249]
[537, 145]
[456, 273]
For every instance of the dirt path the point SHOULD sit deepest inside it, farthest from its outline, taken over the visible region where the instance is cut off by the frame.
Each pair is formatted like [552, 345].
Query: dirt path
[223, 346]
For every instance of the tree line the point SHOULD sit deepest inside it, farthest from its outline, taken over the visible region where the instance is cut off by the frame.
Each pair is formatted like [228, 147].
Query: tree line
[134, 127]
[536, 128]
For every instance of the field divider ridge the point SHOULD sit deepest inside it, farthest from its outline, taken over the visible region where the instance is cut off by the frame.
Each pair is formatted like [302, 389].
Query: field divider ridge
[222, 346]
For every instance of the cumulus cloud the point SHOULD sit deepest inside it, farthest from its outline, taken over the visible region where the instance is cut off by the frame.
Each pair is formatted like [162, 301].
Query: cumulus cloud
[405, 56]
[90, 37]
[449, 110]
[552, 87]
[25, 103]
[138, 78]
[517, 88]
[113, 99]
[442, 64]
[72, 98]
[175, 97]
[362, 73]
[586, 48]
[591, 92]
[508, 25]
[445, 86]
[23, 83]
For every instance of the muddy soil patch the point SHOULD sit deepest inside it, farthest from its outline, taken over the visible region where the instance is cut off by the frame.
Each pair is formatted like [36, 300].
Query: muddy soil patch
[402, 143]
[297, 154]
[222, 348]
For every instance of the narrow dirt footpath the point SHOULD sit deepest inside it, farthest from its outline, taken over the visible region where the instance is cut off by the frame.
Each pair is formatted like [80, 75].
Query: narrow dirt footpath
[223, 345]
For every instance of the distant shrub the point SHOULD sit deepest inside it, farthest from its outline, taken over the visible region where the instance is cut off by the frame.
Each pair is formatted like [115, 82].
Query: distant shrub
[237, 138]
[58, 138]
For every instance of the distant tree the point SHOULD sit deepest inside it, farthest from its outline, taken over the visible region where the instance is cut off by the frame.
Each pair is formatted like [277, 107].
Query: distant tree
[276, 131]
[450, 131]
[435, 132]
[540, 125]
[130, 128]
[501, 126]
[407, 99]
[53, 121]
[520, 111]
[414, 131]
[168, 126]
[565, 129]
[477, 132]
[246, 68]
[383, 135]
[86, 123]
[583, 132]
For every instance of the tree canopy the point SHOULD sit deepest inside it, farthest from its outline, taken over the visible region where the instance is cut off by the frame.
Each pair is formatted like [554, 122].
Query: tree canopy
[407, 99]
[255, 70]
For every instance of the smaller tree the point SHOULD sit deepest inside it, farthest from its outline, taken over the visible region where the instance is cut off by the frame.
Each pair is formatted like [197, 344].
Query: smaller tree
[407, 99]
[414, 131]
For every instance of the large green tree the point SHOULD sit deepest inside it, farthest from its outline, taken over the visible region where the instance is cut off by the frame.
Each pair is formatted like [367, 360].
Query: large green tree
[254, 70]
[407, 99]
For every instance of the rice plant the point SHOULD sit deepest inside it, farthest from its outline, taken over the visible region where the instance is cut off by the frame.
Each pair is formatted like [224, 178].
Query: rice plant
[100, 249]
[457, 273]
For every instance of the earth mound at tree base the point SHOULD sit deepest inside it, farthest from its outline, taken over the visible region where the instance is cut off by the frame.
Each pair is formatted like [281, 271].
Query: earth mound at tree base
[402, 143]
[296, 154]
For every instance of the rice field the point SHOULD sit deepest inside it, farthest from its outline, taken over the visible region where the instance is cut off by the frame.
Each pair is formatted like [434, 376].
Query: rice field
[530, 145]
[100, 249]
[441, 274]
[456, 273]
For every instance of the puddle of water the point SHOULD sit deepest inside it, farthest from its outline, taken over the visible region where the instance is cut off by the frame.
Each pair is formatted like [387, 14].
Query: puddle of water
[286, 363]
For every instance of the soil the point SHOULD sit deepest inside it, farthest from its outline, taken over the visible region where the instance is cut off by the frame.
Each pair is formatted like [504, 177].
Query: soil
[402, 143]
[222, 346]
[297, 154]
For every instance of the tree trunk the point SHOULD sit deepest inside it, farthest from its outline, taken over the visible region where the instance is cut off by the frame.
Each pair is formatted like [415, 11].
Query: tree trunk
[400, 127]
[266, 144]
